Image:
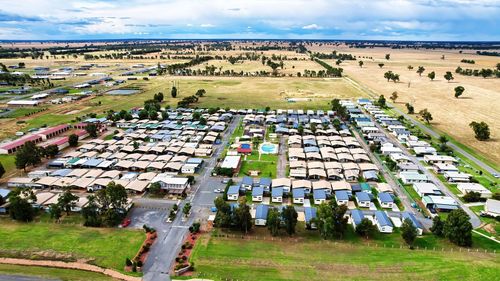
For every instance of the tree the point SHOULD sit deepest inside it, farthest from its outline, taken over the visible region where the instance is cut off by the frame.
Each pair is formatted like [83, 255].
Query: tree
[443, 139]
[431, 75]
[55, 212]
[158, 97]
[380, 65]
[243, 218]
[448, 76]
[173, 92]
[420, 70]
[360, 63]
[459, 91]
[458, 228]
[28, 154]
[387, 56]
[289, 215]
[186, 209]
[481, 130]
[2, 170]
[223, 215]
[381, 101]
[472, 197]
[273, 221]
[91, 129]
[437, 226]
[331, 220]
[73, 140]
[388, 75]
[366, 228]
[426, 115]
[20, 206]
[410, 67]
[51, 150]
[410, 108]
[394, 96]
[339, 109]
[67, 200]
[409, 232]
[201, 92]
[91, 214]
[112, 201]
[155, 188]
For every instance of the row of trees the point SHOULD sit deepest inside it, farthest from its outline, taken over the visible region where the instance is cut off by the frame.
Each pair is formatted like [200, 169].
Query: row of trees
[484, 72]
[30, 154]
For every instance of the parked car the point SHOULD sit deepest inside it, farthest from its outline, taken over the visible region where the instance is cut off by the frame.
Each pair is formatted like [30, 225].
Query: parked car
[218, 190]
[125, 223]
[225, 180]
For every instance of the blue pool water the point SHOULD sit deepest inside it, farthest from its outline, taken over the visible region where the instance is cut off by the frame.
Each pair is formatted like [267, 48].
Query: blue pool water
[268, 148]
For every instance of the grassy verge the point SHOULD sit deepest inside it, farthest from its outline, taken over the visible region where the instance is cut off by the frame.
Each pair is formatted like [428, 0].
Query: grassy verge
[316, 259]
[107, 247]
[52, 273]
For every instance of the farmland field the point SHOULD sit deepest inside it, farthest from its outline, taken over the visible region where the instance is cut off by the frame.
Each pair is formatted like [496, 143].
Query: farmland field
[452, 116]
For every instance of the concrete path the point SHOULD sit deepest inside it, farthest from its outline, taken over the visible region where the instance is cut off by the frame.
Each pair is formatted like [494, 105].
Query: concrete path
[282, 161]
[70, 265]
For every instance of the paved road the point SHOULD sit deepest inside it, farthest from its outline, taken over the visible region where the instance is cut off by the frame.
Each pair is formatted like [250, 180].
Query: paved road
[171, 235]
[424, 128]
[405, 200]
[431, 176]
[282, 161]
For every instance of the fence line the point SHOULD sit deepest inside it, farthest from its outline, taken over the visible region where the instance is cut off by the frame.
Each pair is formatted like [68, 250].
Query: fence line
[352, 245]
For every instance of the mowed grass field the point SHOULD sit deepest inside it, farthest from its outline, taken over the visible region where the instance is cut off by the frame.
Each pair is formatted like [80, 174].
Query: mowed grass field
[237, 259]
[104, 247]
[480, 101]
[258, 92]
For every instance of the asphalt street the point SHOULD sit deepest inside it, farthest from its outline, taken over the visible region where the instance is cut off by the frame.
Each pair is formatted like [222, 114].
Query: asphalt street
[170, 235]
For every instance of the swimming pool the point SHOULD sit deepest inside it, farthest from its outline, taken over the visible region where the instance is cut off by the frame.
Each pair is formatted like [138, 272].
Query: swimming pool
[123, 92]
[268, 148]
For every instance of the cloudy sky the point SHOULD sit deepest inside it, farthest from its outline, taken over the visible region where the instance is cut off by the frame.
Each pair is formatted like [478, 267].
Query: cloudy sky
[301, 19]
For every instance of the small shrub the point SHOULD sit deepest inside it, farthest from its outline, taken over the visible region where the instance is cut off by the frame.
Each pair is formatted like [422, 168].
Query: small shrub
[128, 262]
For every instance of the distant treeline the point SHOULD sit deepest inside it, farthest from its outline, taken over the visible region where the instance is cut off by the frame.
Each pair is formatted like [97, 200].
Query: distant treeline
[330, 70]
[334, 56]
[468, 61]
[487, 53]
[484, 72]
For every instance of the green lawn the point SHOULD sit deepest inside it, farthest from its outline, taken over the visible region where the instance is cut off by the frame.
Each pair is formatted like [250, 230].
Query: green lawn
[52, 273]
[21, 112]
[8, 162]
[107, 247]
[316, 259]
[267, 169]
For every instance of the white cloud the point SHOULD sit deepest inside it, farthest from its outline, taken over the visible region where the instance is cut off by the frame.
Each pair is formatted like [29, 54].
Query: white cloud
[312, 27]
[207, 25]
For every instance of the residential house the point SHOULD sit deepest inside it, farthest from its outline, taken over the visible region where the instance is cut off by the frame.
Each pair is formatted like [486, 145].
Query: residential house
[277, 195]
[386, 200]
[257, 194]
[383, 222]
[310, 215]
[233, 193]
[356, 217]
[298, 195]
[261, 212]
[363, 199]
